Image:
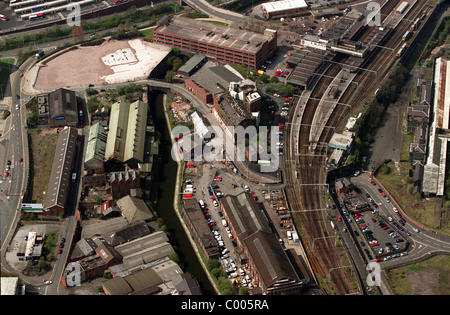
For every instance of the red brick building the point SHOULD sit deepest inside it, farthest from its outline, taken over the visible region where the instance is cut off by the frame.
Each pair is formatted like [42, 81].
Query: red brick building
[226, 44]
[122, 182]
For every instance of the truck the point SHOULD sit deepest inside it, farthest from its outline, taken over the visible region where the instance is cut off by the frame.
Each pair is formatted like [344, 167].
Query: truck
[39, 54]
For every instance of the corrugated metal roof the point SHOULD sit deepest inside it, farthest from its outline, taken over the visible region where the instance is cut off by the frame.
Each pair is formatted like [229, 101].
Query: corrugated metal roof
[58, 186]
[192, 63]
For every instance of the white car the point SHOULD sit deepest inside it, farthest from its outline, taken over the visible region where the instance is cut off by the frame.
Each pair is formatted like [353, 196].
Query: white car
[17, 106]
[48, 282]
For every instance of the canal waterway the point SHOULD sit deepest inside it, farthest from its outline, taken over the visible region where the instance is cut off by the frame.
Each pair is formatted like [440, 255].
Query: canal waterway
[163, 192]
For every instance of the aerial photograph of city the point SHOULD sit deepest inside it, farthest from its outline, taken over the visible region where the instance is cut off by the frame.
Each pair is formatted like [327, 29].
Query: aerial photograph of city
[225, 152]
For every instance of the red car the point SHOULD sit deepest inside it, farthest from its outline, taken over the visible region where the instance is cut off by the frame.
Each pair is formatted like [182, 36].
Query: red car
[6, 174]
[383, 194]
[339, 218]
[372, 182]
[20, 159]
[21, 75]
[373, 220]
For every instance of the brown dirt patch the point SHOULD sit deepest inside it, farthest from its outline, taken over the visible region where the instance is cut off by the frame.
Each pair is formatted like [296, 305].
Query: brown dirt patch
[43, 149]
[423, 282]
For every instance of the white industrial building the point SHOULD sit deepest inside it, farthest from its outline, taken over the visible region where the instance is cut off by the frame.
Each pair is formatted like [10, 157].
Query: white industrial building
[283, 7]
[434, 170]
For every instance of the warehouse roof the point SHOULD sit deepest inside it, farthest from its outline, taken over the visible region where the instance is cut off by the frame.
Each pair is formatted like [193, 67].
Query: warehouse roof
[59, 182]
[284, 5]
[126, 136]
[96, 144]
[63, 106]
[244, 213]
[215, 34]
[270, 259]
[192, 64]
[139, 281]
[118, 122]
[134, 209]
[215, 79]
[135, 136]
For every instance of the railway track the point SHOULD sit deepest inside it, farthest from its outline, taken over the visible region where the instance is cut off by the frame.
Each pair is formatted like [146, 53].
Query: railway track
[306, 193]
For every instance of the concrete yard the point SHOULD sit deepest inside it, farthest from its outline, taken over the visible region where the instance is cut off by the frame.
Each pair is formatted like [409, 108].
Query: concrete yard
[110, 63]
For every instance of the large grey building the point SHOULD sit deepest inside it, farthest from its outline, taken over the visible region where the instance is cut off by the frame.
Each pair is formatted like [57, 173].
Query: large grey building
[60, 176]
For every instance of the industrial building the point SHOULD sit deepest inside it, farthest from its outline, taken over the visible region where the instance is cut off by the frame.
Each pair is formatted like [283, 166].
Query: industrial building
[283, 8]
[199, 229]
[192, 65]
[95, 149]
[268, 263]
[224, 43]
[305, 62]
[435, 167]
[60, 176]
[126, 135]
[223, 87]
[58, 109]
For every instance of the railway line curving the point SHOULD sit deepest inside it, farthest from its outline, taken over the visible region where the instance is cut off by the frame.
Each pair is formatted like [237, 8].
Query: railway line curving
[308, 190]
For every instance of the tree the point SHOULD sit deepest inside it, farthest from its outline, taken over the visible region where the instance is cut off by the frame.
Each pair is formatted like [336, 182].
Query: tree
[169, 75]
[77, 34]
[212, 264]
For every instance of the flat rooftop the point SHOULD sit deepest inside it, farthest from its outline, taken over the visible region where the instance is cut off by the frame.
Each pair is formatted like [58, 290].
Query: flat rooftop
[283, 5]
[202, 31]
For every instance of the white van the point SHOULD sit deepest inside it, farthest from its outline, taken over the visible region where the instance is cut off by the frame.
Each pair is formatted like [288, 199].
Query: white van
[224, 223]
[289, 235]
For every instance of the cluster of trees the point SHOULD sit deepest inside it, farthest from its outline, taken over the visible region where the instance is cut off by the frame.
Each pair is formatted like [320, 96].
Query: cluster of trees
[53, 33]
[224, 285]
[284, 90]
[367, 125]
[56, 32]
[174, 62]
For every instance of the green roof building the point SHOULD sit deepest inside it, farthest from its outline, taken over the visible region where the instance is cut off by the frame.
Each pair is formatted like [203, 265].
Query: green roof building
[126, 135]
[95, 149]
[135, 139]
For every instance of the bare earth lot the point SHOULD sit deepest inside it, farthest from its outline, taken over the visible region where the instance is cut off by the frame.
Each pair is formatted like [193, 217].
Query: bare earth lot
[429, 277]
[112, 62]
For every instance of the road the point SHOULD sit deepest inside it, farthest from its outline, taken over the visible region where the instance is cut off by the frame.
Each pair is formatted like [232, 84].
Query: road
[424, 243]
[12, 187]
[218, 13]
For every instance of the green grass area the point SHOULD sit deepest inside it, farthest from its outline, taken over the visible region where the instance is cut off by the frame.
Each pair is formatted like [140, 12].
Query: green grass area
[429, 277]
[148, 33]
[6, 65]
[399, 185]
[48, 249]
[217, 22]
[42, 148]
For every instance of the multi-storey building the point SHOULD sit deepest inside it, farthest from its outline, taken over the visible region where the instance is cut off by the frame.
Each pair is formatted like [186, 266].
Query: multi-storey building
[224, 43]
